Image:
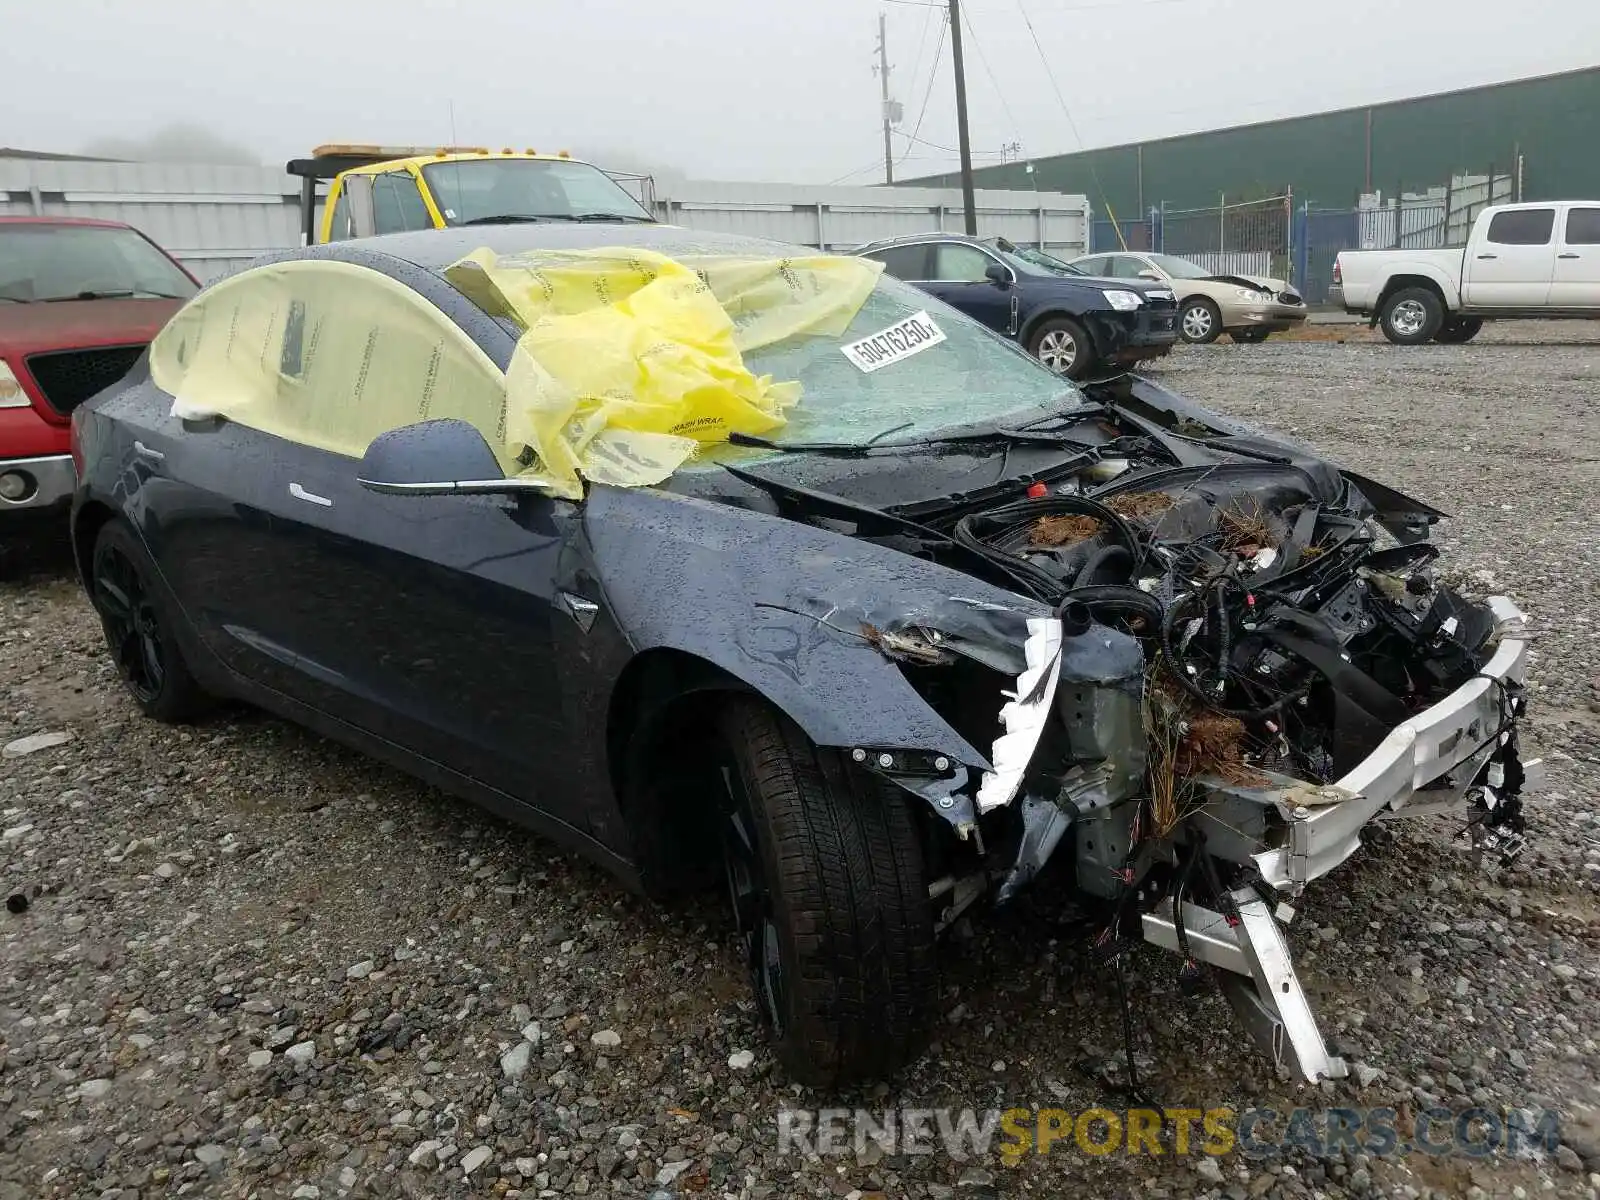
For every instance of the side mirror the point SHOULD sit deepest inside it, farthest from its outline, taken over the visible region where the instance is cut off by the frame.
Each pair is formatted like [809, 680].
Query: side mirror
[999, 275]
[1154, 276]
[435, 458]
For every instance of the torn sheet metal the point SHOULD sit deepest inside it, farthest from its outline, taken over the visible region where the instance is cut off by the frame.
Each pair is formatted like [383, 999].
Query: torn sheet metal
[1024, 714]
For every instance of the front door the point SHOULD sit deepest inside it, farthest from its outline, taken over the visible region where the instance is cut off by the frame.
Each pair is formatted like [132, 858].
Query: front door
[1512, 266]
[960, 278]
[423, 620]
[1576, 280]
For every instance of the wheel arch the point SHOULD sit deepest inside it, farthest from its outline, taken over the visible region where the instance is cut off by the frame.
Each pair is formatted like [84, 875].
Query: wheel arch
[87, 520]
[1399, 283]
[660, 713]
[1031, 325]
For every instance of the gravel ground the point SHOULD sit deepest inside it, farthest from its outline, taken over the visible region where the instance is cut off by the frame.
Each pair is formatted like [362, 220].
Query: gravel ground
[258, 964]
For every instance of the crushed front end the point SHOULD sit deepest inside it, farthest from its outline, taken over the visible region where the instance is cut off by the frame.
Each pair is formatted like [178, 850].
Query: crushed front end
[1251, 654]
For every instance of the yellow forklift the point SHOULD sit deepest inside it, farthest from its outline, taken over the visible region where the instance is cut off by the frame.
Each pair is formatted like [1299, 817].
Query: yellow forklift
[392, 189]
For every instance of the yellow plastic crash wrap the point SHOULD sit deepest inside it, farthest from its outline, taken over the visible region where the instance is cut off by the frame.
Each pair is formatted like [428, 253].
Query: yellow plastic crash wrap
[327, 354]
[631, 360]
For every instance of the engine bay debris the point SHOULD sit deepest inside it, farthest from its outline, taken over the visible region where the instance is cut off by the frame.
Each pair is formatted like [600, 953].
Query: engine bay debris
[1250, 654]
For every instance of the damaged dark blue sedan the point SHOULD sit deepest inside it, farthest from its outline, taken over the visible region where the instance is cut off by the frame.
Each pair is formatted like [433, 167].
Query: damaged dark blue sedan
[922, 626]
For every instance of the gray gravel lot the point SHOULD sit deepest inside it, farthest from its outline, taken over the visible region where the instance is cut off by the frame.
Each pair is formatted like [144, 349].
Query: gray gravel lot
[258, 964]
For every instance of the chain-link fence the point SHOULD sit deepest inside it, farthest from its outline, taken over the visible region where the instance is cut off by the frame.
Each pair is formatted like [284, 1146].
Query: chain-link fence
[1438, 218]
[1251, 237]
[1276, 238]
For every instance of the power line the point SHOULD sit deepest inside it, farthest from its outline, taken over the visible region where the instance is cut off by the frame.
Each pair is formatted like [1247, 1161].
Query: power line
[922, 46]
[1062, 100]
[994, 82]
[1051, 75]
[947, 149]
[933, 78]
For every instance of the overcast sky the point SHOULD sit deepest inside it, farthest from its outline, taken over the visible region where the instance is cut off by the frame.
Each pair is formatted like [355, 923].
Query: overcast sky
[740, 89]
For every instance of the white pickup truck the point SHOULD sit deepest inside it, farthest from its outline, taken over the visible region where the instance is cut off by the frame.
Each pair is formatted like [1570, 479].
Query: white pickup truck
[1522, 261]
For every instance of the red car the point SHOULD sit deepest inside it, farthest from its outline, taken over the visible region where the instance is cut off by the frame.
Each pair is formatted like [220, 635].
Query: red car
[79, 302]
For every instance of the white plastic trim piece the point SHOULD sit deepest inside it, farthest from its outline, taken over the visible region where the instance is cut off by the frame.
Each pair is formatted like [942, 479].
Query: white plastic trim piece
[1024, 714]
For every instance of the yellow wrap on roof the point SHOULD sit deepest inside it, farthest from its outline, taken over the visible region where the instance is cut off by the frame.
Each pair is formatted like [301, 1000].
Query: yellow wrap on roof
[326, 354]
[631, 360]
[628, 363]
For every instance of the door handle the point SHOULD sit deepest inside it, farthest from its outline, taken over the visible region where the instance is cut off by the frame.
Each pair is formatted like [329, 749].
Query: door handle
[299, 493]
[145, 452]
[1569, 255]
[1488, 256]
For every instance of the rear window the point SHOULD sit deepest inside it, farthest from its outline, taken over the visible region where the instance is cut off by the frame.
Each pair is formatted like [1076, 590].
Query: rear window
[84, 262]
[1523, 227]
[904, 262]
[1583, 227]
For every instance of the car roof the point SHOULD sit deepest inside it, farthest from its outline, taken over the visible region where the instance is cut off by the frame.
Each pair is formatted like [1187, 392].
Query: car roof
[92, 222]
[912, 239]
[424, 160]
[435, 249]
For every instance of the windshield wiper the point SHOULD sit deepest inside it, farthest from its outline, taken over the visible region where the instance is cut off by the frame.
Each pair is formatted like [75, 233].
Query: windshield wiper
[516, 218]
[509, 219]
[124, 294]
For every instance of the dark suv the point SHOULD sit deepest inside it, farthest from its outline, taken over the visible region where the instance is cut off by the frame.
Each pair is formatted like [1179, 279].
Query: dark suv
[1078, 325]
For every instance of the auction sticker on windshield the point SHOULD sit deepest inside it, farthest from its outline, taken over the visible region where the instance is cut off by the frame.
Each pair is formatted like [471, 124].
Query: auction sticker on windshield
[904, 338]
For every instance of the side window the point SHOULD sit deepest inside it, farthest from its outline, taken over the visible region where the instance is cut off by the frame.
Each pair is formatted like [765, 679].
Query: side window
[327, 354]
[397, 204]
[1126, 266]
[1093, 266]
[1583, 227]
[903, 262]
[339, 227]
[1522, 227]
[957, 262]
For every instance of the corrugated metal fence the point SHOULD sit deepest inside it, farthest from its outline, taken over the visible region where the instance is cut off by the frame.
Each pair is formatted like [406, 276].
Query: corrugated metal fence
[838, 218]
[212, 219]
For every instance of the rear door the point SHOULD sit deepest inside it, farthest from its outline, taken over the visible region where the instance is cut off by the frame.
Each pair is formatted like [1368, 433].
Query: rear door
[423, 621]
[1576, 279]
[1512, 266]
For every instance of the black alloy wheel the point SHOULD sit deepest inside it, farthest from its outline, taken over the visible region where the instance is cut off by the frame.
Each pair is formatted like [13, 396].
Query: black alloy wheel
[750, 894]
[133, 631]
[138, 634]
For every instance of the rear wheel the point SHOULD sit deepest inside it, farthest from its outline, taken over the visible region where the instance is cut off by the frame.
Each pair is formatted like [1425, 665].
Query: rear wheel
[1412, 316]
[1200, 322]
[824, 870]
[1063, 345]
[139, 629]
[1458, 329]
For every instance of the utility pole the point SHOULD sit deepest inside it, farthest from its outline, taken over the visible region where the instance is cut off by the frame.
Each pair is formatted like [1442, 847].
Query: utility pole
[965, 146]
[888, 108]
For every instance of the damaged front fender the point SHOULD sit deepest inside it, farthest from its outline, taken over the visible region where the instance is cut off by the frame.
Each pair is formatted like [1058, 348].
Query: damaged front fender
[821, 625]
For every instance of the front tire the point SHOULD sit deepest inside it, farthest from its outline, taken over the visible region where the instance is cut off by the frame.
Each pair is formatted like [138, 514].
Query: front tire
[1412, 316]
[1458, 330]
[824, 870]
[1064, 346]
[139, 628]
[1200, 322]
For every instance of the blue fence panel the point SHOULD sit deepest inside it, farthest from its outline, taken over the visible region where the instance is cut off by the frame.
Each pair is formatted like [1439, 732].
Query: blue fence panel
[1103, 236]
[1324, 235]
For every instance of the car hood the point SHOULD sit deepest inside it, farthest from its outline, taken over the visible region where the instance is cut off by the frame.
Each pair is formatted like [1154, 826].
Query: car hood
[71, 324]
[1224, 282]
[917, 481]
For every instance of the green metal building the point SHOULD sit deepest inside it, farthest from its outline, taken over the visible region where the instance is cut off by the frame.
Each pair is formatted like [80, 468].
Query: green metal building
[1545, 125]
